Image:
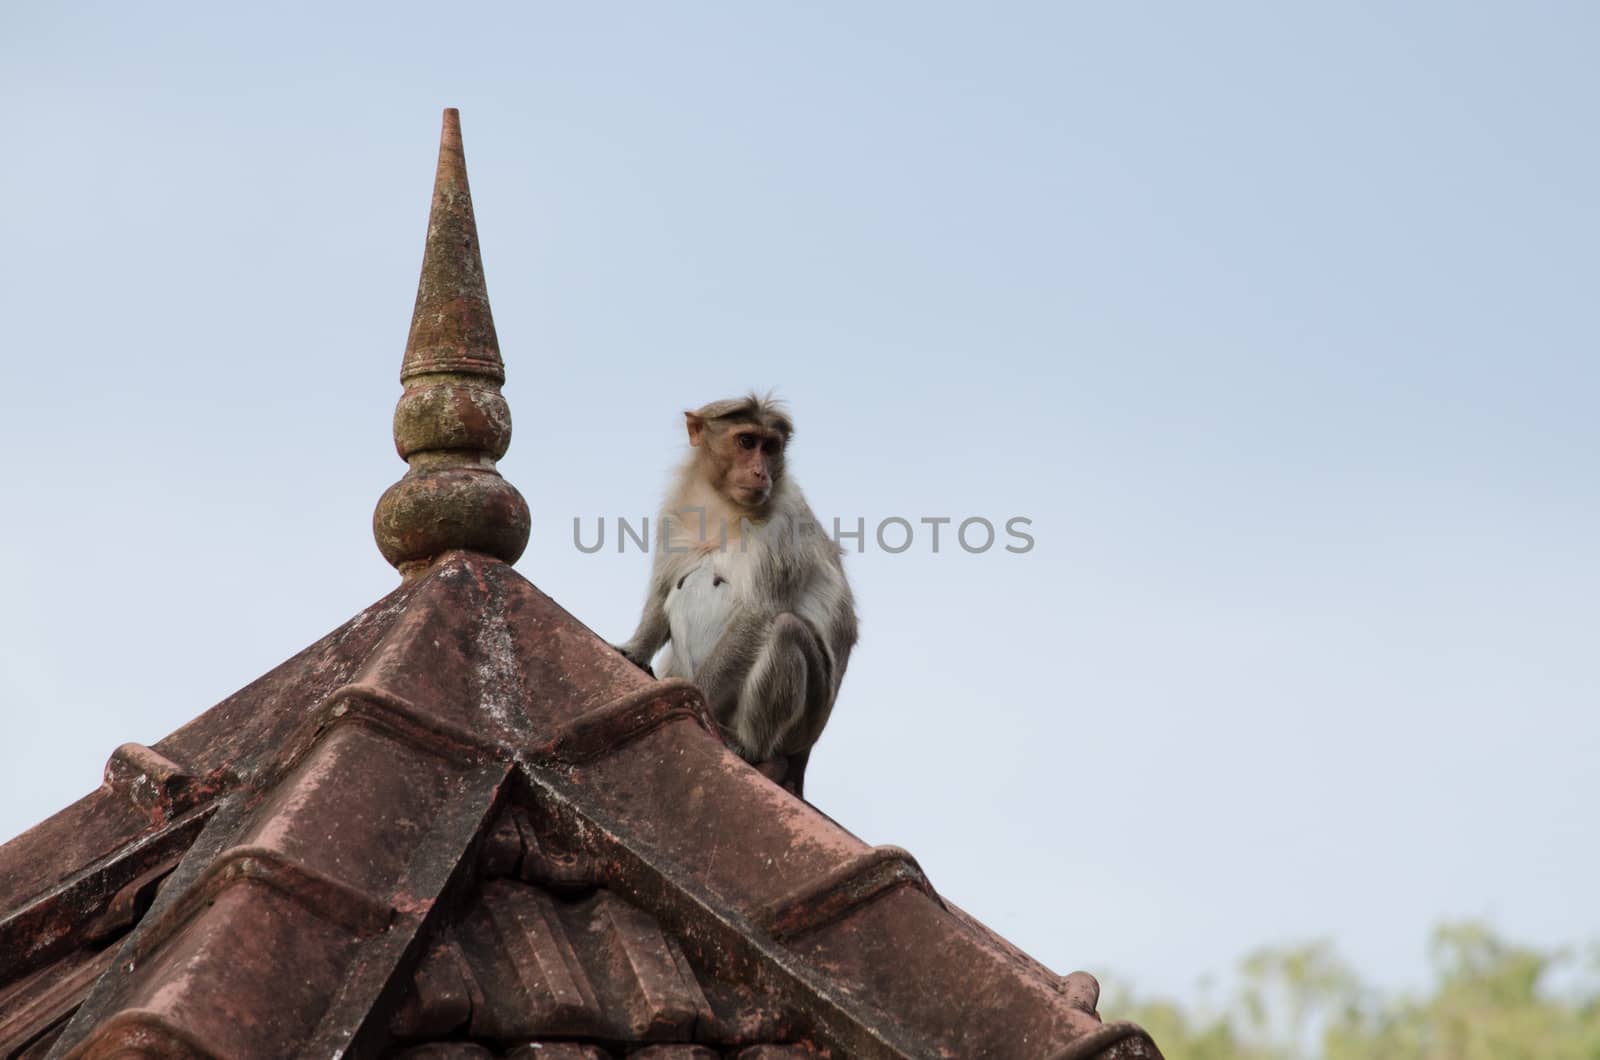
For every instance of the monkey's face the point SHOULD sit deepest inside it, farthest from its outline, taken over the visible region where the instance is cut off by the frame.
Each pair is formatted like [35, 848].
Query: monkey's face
[741, 449]
[751, 457]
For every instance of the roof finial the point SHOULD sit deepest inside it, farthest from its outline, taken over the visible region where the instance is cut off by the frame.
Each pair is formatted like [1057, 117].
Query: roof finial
[452, 423]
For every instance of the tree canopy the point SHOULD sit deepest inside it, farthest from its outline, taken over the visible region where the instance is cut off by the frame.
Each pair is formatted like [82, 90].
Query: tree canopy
[1490, 999]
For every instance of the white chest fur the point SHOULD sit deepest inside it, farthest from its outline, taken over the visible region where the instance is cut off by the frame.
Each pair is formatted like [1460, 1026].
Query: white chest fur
[701, 602]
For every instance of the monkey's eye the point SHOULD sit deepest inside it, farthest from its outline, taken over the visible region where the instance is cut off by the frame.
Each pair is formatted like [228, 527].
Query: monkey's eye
[770, 447]
[747, 441]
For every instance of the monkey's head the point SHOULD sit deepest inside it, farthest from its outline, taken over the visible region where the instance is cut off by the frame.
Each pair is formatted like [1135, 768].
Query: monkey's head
[741, 443]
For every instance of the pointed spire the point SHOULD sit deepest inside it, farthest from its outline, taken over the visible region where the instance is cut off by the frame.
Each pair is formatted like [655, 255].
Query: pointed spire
[452, 329]
[451, 423]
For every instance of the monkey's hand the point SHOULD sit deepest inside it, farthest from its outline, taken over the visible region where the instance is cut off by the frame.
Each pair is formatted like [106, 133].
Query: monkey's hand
[643, 664]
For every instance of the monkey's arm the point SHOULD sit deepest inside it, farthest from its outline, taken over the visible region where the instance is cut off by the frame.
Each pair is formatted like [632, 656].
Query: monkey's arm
[653, 630]
[652, 633]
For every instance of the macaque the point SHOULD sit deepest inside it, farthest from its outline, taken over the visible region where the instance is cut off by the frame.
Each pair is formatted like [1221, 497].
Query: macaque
[748, 589]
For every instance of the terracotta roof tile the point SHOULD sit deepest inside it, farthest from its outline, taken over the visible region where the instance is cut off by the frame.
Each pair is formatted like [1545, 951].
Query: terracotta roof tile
[637, 877]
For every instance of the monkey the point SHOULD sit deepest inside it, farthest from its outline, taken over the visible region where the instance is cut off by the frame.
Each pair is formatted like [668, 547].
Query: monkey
[747, 592]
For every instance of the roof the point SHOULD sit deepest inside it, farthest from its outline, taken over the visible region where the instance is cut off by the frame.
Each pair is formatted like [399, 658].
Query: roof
[461, 825]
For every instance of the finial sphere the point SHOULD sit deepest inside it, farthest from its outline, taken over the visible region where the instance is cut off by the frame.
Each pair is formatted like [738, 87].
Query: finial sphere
[451, 423]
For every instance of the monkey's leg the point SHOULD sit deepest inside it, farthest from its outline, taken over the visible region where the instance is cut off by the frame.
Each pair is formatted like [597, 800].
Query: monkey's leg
[794, 777]
[787, 682]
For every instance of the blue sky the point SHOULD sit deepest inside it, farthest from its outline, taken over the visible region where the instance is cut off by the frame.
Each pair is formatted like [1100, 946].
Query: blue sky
[1277, 322]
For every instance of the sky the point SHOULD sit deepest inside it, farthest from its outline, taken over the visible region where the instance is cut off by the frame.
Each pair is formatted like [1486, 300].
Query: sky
[1276, 322]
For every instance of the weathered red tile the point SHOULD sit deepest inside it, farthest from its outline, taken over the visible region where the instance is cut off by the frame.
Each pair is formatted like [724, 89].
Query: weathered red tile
[673, 1052]
[204, 986]
[557, 1051]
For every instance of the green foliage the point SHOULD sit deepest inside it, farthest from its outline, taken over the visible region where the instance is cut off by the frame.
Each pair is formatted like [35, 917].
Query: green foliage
[1491, 1000]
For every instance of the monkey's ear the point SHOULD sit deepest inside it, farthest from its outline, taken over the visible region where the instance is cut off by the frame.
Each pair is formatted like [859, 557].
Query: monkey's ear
[696, 424]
